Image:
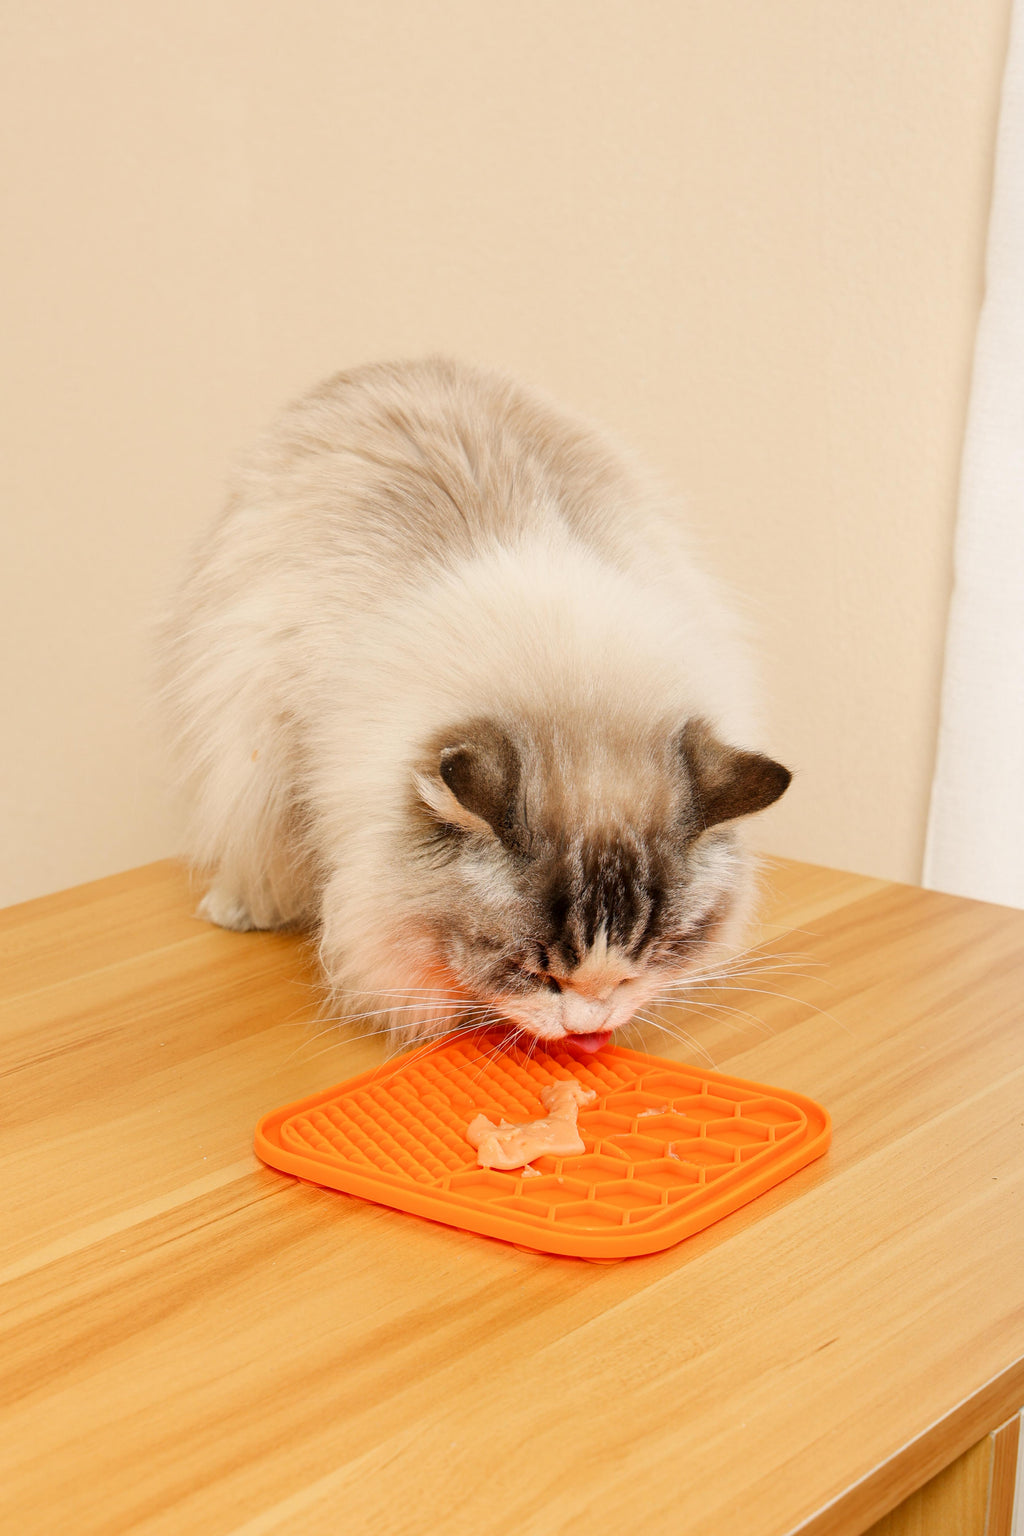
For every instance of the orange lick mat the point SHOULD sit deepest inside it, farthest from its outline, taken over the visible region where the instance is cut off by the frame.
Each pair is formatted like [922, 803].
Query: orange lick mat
[669, 1148]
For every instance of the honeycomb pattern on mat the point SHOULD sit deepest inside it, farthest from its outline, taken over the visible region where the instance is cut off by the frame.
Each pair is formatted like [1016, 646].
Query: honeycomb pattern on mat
[655, 1139]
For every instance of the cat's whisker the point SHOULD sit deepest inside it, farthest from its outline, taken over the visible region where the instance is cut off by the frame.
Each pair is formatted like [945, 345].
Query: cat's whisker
[680, 1036]
[803, 1001]
[700, 1011]
[486, 1059]
[720, 983]
[732, 1014]
[338, 1023]
[489, 1057]
[733, 972]
[429, 1048]
[811, 933]
[635, 1035]
[678, 999]
[708, 980]
[366, 1034]
[740, 967]
[534, 1047]
[409, 992]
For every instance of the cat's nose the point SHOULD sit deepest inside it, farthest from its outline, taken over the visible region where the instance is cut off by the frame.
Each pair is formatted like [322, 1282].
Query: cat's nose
[582, 1014]
[590, 995]
[592, 989]
[597, 992]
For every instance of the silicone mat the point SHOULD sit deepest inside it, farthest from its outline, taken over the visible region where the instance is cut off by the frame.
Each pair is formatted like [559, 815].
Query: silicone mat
[669, 1148]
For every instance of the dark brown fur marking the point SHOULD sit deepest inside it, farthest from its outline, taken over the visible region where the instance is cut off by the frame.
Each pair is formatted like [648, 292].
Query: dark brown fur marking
[726, 781]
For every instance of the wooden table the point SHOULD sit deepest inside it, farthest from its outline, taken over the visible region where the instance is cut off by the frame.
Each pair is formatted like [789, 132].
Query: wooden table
[193, 1343]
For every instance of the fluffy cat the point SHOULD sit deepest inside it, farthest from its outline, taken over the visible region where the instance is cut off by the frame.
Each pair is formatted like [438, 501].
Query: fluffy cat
[449, 689]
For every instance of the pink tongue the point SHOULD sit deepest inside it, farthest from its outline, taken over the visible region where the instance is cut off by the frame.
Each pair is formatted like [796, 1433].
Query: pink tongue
[590, 1042]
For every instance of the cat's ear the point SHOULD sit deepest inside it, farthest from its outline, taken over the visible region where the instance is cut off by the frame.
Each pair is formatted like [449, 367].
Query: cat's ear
[726, 782]
[474, 781]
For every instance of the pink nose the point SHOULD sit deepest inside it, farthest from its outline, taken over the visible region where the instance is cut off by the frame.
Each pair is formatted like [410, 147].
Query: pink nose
[590, 991]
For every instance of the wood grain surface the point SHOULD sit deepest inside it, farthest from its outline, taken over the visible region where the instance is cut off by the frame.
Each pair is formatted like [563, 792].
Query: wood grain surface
[954, 1503]
[192, 1343]
[1005, 1449]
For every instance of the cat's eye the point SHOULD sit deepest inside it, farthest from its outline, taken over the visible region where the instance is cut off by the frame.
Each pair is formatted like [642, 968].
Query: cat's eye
[538, 978]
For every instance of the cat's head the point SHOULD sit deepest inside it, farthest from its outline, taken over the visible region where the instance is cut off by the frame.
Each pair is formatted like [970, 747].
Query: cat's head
[576, 875]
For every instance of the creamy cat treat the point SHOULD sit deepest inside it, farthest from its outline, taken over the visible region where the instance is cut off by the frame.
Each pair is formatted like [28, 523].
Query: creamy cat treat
[556, 1135]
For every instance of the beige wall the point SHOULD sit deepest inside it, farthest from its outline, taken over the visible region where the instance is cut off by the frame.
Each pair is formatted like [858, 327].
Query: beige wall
[749, 236]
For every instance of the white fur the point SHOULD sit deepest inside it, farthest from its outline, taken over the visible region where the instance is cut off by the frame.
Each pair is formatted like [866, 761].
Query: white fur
[331, 625]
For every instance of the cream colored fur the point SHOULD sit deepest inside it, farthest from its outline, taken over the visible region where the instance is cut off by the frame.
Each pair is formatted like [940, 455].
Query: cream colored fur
[409, 547]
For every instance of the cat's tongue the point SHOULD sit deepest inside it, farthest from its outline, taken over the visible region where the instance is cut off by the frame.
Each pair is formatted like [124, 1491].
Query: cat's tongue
[590, 1042]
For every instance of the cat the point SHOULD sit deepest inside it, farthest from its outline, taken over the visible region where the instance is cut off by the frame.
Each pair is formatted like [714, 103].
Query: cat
[447, 687]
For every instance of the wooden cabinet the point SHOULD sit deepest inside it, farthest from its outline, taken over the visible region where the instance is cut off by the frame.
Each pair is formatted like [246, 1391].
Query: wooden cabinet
[973, 1497]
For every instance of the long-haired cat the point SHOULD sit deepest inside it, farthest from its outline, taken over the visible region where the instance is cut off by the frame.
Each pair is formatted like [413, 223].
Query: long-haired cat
[450, 690]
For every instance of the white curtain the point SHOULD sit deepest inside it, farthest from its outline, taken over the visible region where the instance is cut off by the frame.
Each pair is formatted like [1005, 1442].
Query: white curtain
[975, 843]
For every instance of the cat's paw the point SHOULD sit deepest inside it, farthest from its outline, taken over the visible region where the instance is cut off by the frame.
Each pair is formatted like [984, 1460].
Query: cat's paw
[225, 910]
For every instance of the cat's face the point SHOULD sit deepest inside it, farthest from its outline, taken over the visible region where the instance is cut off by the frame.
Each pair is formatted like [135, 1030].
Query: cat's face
[575, 881]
